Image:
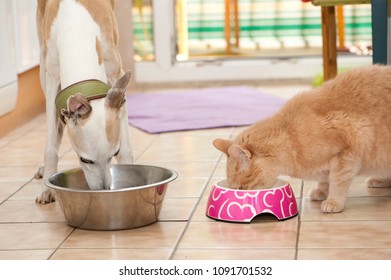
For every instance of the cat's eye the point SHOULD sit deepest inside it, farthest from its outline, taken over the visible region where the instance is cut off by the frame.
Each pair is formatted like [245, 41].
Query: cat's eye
[116, 154]
[87, 161]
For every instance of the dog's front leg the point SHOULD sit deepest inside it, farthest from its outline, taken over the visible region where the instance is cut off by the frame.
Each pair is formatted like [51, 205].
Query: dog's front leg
[54, 131]
[125, 155]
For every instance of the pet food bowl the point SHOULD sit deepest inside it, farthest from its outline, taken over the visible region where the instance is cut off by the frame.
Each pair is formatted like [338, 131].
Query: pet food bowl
[242, 206]
[133, 200]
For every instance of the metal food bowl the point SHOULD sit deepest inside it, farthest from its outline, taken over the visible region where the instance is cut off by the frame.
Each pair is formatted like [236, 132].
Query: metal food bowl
[133, 200]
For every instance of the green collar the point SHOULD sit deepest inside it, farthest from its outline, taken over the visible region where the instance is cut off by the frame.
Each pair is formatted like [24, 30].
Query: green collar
[90, 89]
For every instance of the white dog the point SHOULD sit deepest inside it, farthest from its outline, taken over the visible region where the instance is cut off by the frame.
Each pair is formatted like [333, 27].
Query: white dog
[79, 56]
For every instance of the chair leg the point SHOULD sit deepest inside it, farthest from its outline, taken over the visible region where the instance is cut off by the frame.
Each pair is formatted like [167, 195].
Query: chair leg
[379, 31]
[329, 36]
[227, 27]
[341, 29]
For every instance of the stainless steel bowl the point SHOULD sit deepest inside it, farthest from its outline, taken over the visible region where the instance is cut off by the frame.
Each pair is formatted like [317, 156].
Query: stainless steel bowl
[134, 199]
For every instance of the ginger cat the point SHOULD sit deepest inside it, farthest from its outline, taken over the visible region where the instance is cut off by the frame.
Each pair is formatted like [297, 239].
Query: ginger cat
[329, 134]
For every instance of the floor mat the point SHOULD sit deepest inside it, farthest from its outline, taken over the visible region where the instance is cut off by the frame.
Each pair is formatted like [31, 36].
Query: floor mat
[179, 110]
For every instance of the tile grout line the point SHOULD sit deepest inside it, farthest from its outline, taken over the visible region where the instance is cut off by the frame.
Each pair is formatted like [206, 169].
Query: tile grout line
[21, 187]
[195, 208]
[59, 246]
[299, 221]
[18, 133]
[146, 148]
[199, 199]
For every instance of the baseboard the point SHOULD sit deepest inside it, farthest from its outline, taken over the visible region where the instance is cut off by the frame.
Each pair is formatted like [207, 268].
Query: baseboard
[8, 95]
[30, 102]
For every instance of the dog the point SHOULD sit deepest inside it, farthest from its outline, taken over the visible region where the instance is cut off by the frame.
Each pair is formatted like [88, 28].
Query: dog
[85, 88]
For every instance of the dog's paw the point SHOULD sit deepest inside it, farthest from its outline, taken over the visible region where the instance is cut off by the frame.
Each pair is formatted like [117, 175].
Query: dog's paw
[39, 173]
[332, 206]
[46, 196]
[317, 194]
[378, 183]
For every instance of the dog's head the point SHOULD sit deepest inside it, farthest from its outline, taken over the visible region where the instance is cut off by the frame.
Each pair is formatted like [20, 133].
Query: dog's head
[94, 131]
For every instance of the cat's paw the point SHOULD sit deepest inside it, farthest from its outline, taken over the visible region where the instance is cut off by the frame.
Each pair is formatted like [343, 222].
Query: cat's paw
[378, 183]
[318, 195]
[332, 206]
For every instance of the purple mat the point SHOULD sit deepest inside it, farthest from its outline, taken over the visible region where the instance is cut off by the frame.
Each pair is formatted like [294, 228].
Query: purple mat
[199, 109]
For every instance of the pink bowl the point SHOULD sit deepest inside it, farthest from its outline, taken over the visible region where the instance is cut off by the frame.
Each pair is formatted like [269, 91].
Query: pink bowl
[243, 205]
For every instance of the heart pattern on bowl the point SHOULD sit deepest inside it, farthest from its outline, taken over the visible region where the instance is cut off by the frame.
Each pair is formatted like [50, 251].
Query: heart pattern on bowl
[243, 205]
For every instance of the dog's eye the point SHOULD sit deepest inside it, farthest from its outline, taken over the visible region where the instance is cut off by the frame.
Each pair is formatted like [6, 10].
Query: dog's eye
[116, 154]
[87, 161]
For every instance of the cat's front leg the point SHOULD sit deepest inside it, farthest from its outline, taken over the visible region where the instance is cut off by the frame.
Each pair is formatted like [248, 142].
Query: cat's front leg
[336, 199]
[321, 192]
[342, 172]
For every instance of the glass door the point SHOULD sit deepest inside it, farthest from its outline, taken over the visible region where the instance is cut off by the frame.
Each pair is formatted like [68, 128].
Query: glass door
[224, 40]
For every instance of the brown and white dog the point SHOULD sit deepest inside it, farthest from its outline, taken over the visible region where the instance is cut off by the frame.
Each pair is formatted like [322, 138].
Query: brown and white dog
[78, 41]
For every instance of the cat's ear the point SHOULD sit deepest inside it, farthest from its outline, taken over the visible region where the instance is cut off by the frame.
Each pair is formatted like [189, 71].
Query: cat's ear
[222, 145]
[240, 154]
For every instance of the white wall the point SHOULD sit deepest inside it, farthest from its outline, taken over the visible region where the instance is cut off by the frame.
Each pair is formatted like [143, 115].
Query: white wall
[26, 39]
[19, 50]
[8, 72]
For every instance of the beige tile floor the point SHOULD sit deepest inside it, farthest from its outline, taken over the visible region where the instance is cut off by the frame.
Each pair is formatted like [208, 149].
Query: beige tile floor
[32, 231]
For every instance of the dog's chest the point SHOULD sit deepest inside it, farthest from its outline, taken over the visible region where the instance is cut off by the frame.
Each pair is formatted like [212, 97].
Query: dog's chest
[74, 45]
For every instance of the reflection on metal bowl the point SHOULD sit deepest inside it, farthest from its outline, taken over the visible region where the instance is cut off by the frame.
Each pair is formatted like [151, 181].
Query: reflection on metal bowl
[134, 199]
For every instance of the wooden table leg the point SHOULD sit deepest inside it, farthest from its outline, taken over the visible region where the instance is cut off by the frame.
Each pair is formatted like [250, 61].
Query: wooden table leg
[231, 10]
[237, 23]
[341, 29]
[329, 42]
[227, 27]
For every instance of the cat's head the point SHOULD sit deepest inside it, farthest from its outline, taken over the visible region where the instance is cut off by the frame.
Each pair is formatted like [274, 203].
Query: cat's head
[246, 169]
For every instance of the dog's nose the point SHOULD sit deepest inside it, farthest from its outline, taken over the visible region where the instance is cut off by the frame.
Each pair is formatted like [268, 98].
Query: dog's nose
[106, 179]
[107, 183]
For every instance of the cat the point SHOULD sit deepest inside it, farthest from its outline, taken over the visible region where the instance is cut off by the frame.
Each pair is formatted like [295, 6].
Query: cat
[328, 134]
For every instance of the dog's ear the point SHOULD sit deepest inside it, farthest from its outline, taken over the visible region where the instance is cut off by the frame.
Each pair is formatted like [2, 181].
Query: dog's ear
[77, 107]
[116, 96]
